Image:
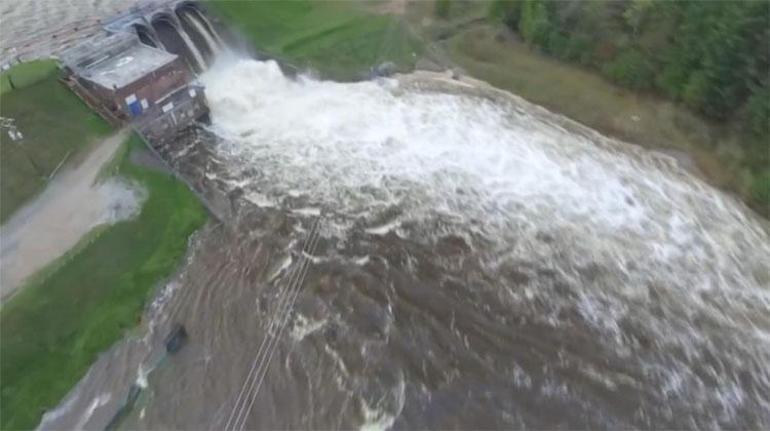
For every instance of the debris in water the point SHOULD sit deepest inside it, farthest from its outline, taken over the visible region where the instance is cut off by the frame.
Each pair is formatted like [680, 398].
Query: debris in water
[176, 338]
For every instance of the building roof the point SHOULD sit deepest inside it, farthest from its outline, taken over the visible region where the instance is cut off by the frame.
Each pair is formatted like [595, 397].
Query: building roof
[115, 61]
[132, 64]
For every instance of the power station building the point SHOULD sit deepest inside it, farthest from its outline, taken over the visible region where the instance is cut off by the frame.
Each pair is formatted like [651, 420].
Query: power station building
[128, 81]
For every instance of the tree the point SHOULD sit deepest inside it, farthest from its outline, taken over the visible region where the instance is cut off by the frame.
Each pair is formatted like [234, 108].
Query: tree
[534, 24]
[759, 112]
[506, 11]
[630, 69]
[442, 8]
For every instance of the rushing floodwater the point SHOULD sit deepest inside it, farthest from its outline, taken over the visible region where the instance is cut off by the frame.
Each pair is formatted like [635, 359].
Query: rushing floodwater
[481, 263]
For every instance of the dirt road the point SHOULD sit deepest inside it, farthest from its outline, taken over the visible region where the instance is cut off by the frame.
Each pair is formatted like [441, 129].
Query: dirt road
[69, 207]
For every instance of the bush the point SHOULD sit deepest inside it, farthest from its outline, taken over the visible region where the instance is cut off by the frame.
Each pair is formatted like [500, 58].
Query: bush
[695, 93]
[673, 79]
[579, 48]
[759, 112]
[441, 8]
[557, 44]
[630, 69]
[506, 11]
[760, 192]
[534, 24]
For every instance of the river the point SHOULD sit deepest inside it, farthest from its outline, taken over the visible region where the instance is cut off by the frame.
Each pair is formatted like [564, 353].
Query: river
[422, 252]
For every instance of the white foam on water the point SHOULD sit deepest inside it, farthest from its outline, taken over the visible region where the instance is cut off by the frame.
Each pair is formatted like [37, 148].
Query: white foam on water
[60, 411]
[383, 413]
[95, 404]
[376, 420]
[659, 236]
[304, 326]
[307, 211]
[361, 261]
[383, 229]
[141, 376]
[260, 200]
[283, 267]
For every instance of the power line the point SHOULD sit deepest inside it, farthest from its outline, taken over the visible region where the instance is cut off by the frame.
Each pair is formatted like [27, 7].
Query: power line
[282, 318]
[281, 296]
[275, 339]
[287, 296]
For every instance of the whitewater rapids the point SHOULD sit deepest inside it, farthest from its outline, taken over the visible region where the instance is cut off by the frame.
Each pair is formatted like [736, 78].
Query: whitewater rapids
[483, 263]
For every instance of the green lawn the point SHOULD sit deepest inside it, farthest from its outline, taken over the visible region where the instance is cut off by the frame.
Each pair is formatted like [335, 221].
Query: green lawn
[340, 39]
[54, 328]
[25, 74]
[54, 122]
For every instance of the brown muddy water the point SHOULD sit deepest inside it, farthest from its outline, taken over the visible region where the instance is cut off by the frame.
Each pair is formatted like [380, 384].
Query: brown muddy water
[426, 253]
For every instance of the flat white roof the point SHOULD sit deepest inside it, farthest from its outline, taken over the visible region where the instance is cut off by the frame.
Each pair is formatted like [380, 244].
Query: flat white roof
[127, 66]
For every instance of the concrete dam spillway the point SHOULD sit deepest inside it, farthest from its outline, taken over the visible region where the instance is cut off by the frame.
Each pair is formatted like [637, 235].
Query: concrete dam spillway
[474, 261]
[201, 32]
[180, 28]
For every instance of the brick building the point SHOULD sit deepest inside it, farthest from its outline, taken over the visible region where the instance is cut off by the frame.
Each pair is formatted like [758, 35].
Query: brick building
[133, 82]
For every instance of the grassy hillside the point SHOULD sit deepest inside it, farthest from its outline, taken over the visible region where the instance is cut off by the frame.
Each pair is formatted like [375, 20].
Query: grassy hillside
[340, 39]
[55, 327]
[54, 122]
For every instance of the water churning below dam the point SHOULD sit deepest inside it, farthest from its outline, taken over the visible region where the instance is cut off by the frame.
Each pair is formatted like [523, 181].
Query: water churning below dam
[480, 263]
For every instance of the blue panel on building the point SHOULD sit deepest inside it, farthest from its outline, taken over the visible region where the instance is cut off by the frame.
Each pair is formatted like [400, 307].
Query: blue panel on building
[135, 108]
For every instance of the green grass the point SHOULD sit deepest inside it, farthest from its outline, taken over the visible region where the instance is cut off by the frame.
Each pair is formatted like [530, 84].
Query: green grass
[54, 122]
[25, 74]
[340, 39]
[54, 328]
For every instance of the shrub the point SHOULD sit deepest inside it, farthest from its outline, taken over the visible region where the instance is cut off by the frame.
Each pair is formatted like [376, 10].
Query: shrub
[557, 44]
[759, 112]
[506, 11]
[760, 192]
[534, 25]
[441, 8]
[630, 69]
[695, 93]
[579, 48]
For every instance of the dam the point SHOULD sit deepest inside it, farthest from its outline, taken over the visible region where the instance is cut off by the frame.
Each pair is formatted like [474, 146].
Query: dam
[142, 70]
[181, 28]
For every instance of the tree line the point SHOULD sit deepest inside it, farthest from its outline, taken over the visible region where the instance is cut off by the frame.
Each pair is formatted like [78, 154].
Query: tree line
[712, 56]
